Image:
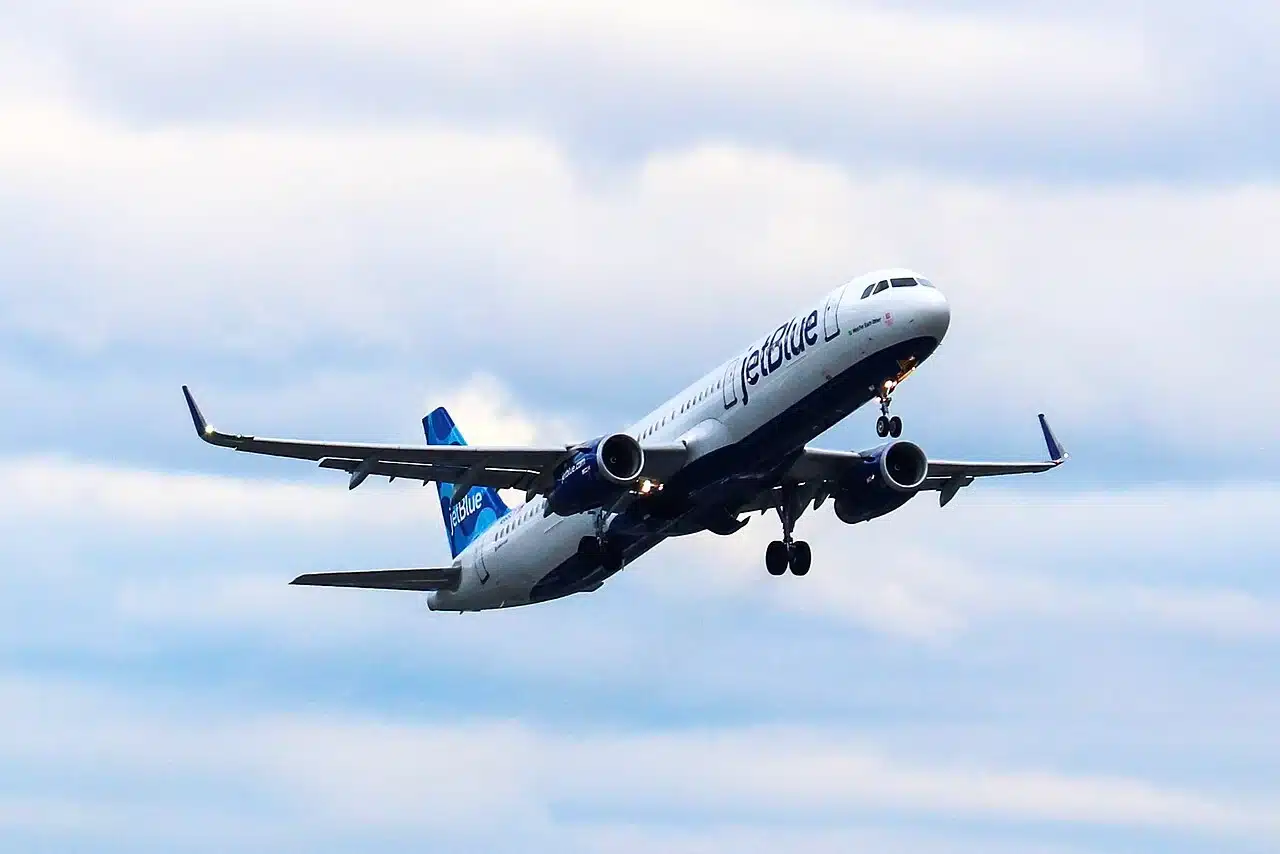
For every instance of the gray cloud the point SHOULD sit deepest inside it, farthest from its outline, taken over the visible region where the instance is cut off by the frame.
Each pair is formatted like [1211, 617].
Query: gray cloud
[344, 773]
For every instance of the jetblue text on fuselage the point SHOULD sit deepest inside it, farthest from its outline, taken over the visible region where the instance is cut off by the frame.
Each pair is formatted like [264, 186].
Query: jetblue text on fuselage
[787, 342]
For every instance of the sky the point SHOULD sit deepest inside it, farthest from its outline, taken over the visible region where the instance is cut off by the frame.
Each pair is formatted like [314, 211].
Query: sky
[330, 218]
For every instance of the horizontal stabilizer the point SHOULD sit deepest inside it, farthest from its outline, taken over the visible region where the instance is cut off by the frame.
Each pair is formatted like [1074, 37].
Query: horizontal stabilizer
[435, 578]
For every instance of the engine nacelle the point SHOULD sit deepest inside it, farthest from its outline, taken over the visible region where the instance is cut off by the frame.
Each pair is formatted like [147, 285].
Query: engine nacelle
[597, 475]
[890, 477]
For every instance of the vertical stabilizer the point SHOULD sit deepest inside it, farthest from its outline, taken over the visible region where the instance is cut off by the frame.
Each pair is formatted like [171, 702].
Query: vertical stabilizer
[469, 515]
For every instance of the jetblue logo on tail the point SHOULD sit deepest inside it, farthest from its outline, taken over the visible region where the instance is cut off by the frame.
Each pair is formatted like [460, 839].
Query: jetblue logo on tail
[473, 513]
[787, 342]
[469, 504]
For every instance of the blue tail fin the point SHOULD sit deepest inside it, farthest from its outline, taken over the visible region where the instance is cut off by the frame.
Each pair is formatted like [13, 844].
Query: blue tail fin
[471, 514]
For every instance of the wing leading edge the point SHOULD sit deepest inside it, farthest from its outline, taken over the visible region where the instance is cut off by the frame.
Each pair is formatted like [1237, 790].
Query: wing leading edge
[1057, 456]
[528, 469]
[948, 477]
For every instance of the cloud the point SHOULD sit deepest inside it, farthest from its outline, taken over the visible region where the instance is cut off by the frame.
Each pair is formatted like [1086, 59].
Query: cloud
[999, 555]
[382, 775]
[1086, 90]
[881, 65]
[400, 245]
[957, 580]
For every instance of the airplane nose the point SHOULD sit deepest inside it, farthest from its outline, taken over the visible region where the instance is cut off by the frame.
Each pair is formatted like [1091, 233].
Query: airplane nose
[934, 315]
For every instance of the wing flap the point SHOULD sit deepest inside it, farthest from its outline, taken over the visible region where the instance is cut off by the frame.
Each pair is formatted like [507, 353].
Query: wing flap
[949, 468]
[662, 461]
[422, 579]
[495, 478]
[819, 464]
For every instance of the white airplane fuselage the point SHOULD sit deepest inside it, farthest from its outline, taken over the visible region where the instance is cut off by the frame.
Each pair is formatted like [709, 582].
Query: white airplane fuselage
[742, 422]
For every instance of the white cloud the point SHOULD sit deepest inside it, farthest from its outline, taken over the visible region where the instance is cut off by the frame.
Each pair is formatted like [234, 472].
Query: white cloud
[995, 555]
[195, 185]
[51, 489]
[865, 65]
[46, 488]
[921, 573]
[454, 247]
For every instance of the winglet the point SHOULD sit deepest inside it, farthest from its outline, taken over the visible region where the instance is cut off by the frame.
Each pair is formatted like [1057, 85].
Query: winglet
[204, 431]
[1056, 452]
[202, 426]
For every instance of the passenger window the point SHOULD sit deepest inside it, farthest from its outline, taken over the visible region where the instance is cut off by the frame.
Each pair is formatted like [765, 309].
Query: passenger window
[907, 282]
[882, 285]
[866, 293]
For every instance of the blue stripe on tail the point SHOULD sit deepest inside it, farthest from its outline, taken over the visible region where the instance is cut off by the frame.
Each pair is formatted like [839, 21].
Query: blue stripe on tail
[473, 513]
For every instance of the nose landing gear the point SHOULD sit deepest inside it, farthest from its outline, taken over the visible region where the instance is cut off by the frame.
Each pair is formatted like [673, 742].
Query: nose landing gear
[886, 425]
[787, 552]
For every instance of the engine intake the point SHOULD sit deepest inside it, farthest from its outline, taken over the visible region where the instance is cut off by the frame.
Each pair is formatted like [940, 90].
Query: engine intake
[620, 458]
[890, 477]
[903, 466]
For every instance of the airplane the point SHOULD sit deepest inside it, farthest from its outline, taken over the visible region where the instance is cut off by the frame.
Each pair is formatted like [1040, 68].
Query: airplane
[731, 444]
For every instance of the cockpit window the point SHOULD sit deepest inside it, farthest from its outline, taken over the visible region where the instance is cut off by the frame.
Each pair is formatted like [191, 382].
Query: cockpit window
[904, 283]
[882, 285]
[925, 282]
[871, 287]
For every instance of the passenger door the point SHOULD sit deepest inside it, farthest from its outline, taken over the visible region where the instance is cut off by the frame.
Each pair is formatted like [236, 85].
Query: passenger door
[730, 383]
[831, 315]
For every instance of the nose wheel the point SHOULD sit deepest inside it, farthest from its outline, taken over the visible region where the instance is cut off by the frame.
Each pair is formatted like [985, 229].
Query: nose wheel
[887, 425]
[788, 553]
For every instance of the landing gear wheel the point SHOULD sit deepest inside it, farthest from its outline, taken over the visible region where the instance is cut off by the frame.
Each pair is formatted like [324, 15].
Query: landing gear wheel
[776, 557]
[801, 558]
[886, 426]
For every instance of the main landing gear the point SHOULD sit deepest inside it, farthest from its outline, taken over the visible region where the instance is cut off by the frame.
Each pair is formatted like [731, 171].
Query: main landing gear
[787, 552]
[601, 547]
[885, 425]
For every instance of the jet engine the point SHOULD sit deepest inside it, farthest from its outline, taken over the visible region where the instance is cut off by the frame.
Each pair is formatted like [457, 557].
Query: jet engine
[598, 475]
[889, 477]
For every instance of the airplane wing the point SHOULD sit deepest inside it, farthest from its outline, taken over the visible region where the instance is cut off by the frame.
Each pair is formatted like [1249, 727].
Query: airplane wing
[442, 578]
[819, 470]
[530, 469]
